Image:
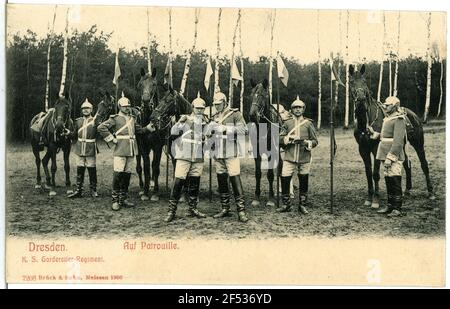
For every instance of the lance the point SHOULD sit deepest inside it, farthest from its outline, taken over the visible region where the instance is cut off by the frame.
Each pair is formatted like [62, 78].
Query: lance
[278, 129]
[171, 85]
[50, 38]
[331, 135]
[230, 92]
[211, 91]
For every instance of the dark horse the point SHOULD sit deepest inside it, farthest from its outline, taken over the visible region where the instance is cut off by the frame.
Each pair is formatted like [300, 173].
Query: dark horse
[170, 104]
[263, 113]
[369, 119]
[53, 134]
[147, 142]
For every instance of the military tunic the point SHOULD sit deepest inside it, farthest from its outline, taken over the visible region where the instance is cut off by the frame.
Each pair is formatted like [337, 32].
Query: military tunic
[123, 128]
[188, 146]
[229, 144]
[84, 134]
[297, 155]
[392, 143]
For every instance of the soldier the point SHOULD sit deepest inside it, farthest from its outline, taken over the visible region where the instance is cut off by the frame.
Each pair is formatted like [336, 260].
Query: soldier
[84, 133]
[298, 137]
[226, 126]
[189, 155]
[121, 129]
[391, 151]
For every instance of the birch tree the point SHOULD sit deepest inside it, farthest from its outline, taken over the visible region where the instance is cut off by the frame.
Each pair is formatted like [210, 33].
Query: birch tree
[188, 60]
[347, 99]
[319, 100]
[429, 62]
[230, 91]
[64, 68]
[216, 69]
[398, 56]
[241, 55]
[149, 62]
[50, 38]
[380, 79]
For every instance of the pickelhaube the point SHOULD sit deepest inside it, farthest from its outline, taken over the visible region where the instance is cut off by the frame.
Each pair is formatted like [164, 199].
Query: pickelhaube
[298, 102]
[124, 101]
[392, 101]
[219, 98]
[86, 104]
[198, 102]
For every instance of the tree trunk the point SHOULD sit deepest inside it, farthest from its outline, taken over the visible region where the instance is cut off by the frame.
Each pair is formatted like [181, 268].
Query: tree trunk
[272, 24]
[241, 98]
[428, 94]
[64, 68]
[230, 90]
[398, 57]
[188, 59]
[319, 99]
[347, 99]
[440, 88]
[380, 79]
[390, 74]
[216, 68]
[47, 81]
[149, 62]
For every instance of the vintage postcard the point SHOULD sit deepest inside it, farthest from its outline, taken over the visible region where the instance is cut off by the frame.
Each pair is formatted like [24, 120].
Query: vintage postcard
[239, 146]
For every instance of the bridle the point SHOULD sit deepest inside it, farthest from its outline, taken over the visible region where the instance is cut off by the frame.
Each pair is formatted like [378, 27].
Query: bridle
[367, 103]
[260, 113]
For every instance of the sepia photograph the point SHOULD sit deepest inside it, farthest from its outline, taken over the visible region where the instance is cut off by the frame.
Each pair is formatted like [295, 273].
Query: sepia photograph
[218, 142]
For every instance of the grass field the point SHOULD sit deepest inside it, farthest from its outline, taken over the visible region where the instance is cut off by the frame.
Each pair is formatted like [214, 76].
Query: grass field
[32, 212]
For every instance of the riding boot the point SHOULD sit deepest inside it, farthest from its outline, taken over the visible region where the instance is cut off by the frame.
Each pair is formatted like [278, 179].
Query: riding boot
[80, 180]
[238, 192]
[193, 184]
[116, 191]
[93, 180]
[222, 180]
[387, 209]
[397, 196]
[126, 184]
[303, 198]
[175, 194]
[285, 194]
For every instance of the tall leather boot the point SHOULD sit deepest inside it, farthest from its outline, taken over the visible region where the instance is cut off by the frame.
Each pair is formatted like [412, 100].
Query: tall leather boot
[93, 180]
[116, 191]
[126, 184]
[285, 194]
[397, 196]
[193, 191]
[387, 209]
[175, 194]
[238, 192]
[80, 180]
[303, 198]
[224, 191]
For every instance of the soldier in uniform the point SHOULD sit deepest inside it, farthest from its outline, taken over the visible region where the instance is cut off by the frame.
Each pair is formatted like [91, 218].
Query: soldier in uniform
[227, 128]
[298, 137]
[391, 152]
[84, 133]
[120, 129]
[188, 150]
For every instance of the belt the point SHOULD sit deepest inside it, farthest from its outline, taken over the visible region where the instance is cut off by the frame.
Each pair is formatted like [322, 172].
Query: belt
[125, 136]
[387, 139]
[191, 141]
[87, 140]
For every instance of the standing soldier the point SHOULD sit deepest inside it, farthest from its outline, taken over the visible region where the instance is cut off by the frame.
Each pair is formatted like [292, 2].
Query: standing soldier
[189, 155]
[85, 149]
[391, 151]
[228, 127]
[121, 129]
[298, 138]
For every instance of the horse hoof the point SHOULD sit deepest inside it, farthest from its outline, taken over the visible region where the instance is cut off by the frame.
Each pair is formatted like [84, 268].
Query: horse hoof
[255, 203]
[144, 197]
[375, 205]
[431, 197]
[368, 203]
[270, 204]
[154, 198]
[141, 193]
[69, 191]
[52, 193]
[38, 186]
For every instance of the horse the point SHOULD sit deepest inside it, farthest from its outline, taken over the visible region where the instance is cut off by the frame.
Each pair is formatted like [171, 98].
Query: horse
[369, 114]
[147, 142]
[262, 112]
[53, 134]
[170, 104]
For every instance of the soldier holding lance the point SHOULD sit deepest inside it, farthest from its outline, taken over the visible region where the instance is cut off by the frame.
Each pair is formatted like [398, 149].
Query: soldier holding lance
[188, 151]
[298, 137]
[227, 129]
